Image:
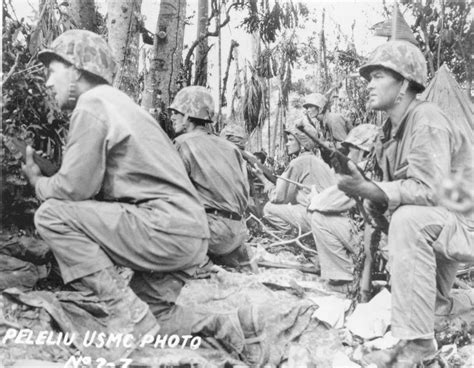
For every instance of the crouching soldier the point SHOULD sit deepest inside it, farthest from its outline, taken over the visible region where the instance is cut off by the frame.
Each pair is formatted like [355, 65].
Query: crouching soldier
[257, 198]
[419, 147]
[215, 167]
[288, 202]
[335, 233]
[122, 196]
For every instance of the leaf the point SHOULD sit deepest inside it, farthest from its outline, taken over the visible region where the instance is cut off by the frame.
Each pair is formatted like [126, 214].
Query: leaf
[35, 41]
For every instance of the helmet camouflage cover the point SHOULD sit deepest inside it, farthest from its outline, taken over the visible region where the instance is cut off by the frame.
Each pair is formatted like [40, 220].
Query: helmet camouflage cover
[194, 101]
[363, 136]
[302, 138]
[85, 50]
[315, 99]
[235, 130]
[400, 56]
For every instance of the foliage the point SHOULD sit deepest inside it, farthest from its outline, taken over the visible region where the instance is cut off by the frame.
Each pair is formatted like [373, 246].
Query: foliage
[268, 22]
[253, 101]
[444, 34]
[27, 114]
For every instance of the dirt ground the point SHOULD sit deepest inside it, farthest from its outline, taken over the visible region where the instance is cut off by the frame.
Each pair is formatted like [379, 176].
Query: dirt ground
[306, 325]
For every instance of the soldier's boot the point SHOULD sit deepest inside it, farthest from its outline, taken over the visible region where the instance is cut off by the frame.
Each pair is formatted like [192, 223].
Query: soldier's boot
[406, 354]
[127, 314]
[240, 333]
[256, 350]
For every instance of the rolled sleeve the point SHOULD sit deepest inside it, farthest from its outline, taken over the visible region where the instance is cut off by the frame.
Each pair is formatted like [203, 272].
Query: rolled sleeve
[392, 192]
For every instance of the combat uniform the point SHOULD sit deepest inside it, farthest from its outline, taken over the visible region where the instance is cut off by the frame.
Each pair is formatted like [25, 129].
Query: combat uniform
[425, 240]
[287, 206]
[215, 168]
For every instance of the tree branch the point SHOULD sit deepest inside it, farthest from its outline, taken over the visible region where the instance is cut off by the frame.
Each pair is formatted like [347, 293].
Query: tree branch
[12, 70]
[215, 33]
[226, 75]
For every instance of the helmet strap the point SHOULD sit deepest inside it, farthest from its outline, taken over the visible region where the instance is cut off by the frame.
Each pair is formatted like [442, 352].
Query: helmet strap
[73, 95]
[402, 92]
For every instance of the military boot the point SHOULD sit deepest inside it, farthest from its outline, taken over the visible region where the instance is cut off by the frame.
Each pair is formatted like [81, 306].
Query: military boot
[256, 350]
[127, 314]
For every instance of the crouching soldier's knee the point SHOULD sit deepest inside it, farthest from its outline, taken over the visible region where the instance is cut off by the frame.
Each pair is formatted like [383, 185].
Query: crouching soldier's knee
[405, 219]
[45, 216]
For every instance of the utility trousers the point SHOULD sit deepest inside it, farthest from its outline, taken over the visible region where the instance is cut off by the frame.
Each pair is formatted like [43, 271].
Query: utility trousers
[287, 216]
[89, 236]
[422, 276]
[335, 237]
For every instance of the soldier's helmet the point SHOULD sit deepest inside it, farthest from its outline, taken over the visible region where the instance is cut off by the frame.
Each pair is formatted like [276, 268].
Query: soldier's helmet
[235, 130]
[403, 58]
[194, 101]
[363, 136]
[83, 49]
[302, 138]
[315, 99]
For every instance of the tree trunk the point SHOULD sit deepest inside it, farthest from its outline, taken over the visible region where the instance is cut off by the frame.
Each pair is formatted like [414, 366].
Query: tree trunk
[200, 78]
[162, 78]
[324, 67]
[82, 13]
[123, 30]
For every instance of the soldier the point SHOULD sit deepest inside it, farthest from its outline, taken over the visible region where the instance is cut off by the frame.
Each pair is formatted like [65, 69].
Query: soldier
[287, 206]
[335, 233]
[419, 147]
[332, 127]
[236, 134]
[215, 167]
[122, 197]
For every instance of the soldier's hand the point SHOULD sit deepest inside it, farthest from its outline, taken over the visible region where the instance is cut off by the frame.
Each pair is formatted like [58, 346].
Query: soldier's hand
[30, 168]
[352, 184]
[257, 170]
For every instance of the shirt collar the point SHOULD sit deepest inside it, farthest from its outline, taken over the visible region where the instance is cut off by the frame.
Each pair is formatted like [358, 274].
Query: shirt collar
[390, 131]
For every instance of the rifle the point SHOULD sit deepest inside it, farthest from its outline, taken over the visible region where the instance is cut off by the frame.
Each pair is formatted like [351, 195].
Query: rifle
[340, 163]
[252, 160]
[302, 186]
[17, 147]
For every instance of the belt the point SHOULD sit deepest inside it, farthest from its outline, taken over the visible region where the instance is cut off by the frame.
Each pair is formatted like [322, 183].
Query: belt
[225, 214]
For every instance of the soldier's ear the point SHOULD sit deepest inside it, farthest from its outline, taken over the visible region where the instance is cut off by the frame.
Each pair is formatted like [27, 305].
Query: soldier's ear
[77, 73]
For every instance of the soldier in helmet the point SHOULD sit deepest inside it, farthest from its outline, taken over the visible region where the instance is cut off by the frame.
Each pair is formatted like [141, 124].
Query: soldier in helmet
[332, 127]
[236, 134]
[287, 206]
[334, 232]
[215, 167]
[122, 197]
[419, 147]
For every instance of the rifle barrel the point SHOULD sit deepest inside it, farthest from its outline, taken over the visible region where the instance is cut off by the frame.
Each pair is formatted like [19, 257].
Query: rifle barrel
[303, 186]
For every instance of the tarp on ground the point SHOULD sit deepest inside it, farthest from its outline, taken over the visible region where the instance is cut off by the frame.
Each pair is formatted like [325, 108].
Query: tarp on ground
[448, 95]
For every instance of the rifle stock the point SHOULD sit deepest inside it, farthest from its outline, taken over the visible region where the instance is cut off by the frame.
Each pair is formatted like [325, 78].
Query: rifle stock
[254, 161]
[17, 147]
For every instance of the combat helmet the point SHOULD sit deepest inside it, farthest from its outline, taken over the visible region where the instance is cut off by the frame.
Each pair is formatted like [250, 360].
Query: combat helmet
[315, 99]
[302, 138]
[83, 49]
[235, 130]
[363, 136]
[401, 57]
[195, 102]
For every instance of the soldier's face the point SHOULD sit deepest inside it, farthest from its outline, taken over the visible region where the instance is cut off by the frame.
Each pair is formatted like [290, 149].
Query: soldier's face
[179, 122]
[313, 111]
[292, 145]
[59, 77]
[383, 90]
